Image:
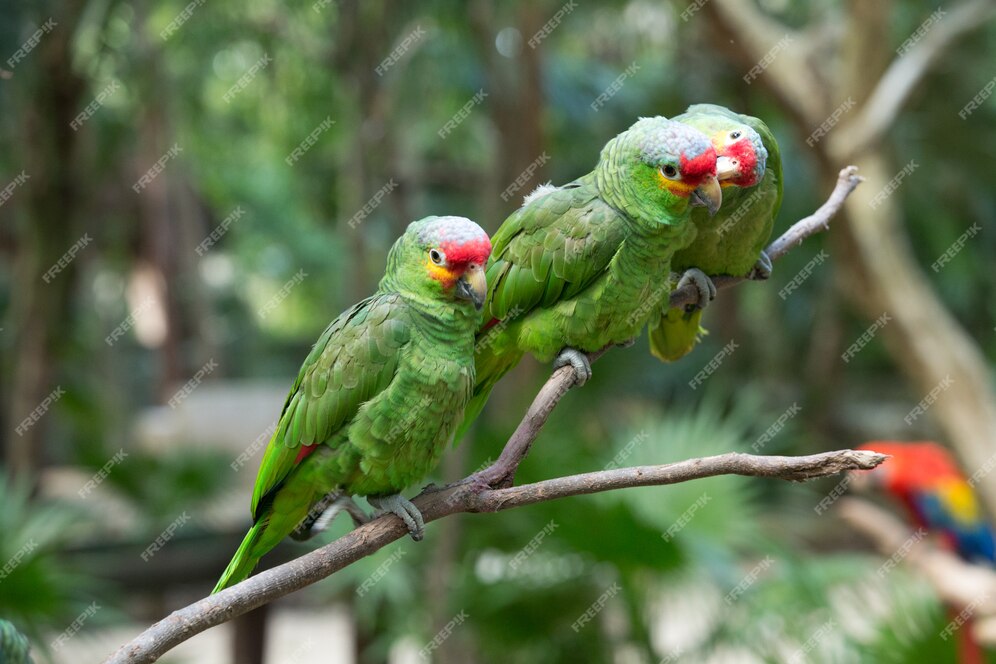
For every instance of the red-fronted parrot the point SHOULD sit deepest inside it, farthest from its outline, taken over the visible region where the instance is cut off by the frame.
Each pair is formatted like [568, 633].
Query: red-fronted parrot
[379, 396]
[731, 242]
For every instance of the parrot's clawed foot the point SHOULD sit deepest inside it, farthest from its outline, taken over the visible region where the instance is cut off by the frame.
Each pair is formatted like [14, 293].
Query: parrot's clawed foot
[324, 513]
[578, 361]
[404, 509]
[626, 344]
[703, 285]
[762, 268]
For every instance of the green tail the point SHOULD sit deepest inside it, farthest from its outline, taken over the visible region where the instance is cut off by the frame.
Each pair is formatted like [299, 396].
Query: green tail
[281, 511]
[245, 559]
[676, 334]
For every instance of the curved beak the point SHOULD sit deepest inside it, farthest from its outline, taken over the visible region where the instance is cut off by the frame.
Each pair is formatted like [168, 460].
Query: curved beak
[708, 194]
[473, 286]
[727, 168]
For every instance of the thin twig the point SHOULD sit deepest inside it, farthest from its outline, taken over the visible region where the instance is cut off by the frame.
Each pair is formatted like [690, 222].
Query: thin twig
[491, 490]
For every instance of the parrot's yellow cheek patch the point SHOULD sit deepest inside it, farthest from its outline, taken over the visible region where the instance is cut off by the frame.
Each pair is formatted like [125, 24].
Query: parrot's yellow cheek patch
[676, 187]
[441, 274]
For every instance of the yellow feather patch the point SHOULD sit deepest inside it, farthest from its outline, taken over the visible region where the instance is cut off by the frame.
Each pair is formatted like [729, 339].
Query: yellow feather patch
[958, 496]
[676, 187]
[440, 273]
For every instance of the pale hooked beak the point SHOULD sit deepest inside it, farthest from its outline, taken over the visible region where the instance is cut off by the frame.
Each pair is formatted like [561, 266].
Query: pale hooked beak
[727, 168]
[708, 194]
[473, 286]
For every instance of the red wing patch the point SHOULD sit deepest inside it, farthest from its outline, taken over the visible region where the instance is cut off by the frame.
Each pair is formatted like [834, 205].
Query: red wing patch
[305, 451]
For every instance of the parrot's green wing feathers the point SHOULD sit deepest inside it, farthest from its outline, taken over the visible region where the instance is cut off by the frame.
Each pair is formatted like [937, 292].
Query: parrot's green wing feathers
[551, 249]
[354, 359]
[548, 251]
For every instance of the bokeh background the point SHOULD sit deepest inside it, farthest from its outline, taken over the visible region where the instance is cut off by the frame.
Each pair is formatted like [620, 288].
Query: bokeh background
[140, 375]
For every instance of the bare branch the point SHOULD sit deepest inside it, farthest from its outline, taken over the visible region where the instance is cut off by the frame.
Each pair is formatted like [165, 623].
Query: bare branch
[491, 490]
[795, 469]
[904, 73]
[437, 503]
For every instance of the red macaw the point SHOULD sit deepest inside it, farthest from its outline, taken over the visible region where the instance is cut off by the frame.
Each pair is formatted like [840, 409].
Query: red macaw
[925, 478]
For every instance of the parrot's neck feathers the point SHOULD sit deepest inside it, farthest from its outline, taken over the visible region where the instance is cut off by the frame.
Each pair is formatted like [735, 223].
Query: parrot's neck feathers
[446, 322]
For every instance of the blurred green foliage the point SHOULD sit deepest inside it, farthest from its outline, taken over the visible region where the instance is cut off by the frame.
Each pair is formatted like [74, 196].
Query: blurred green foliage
[38, 589]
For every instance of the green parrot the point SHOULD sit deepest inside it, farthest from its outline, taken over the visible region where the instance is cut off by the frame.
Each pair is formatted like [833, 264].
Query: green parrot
[379, 396]
[14, 648]
[732, 242]
[579, 267]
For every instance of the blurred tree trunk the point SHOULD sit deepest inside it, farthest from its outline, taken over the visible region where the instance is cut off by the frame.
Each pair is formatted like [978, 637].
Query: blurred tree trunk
[879, 270]
[167, 216]
[366, 34]
[249, 636]
[49, 93]
[514, 86]
[158, 237]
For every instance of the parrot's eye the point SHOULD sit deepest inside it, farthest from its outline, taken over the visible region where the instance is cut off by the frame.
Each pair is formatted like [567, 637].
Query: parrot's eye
[669, 171]
[734, 135]
[436, 256]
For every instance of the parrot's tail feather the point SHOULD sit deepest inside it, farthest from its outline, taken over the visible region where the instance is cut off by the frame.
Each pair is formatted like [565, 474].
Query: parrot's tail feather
[676, 335]
[245, 559]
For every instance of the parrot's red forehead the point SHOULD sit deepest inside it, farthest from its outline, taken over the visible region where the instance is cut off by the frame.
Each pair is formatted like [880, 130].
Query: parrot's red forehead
[699, 166]
[459, 238]
[744, 152]
[468, 251]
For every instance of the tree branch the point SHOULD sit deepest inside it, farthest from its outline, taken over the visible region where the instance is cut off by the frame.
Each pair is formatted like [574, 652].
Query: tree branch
[437, 503]
[904, 73]
[490, 490]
